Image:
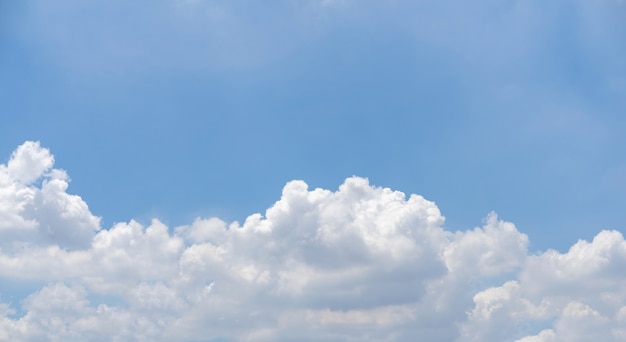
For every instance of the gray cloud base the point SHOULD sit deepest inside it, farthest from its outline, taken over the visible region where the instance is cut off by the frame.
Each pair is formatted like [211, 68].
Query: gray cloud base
[360, 263]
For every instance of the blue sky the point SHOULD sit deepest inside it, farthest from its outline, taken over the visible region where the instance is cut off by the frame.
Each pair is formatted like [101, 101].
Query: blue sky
[178, 109]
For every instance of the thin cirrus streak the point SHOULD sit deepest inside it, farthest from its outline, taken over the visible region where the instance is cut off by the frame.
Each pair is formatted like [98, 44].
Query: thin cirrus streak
[360, 263]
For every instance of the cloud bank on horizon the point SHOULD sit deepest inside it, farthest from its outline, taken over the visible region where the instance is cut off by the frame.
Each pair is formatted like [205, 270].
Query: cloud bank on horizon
[360, 263]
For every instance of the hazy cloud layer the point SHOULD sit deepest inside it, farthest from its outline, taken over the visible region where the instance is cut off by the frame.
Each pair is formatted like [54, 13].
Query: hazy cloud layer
[239, 35]
[360, 263]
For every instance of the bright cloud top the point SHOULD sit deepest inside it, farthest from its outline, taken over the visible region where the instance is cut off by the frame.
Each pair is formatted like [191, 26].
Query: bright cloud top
[360, 263]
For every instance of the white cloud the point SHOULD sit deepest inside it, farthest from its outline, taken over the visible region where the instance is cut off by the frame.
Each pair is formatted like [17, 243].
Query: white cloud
[495, 249]
[360, 263]
[45, 214]
[28, 162]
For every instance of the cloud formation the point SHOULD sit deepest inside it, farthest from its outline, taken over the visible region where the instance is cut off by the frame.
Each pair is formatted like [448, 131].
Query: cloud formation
[357, 264]
[32, 214]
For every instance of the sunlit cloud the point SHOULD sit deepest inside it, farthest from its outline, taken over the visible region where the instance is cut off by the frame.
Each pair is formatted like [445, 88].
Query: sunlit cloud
[358, 263]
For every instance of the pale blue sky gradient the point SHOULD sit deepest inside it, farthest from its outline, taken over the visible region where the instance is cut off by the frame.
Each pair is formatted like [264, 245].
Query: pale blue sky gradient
[176, 109]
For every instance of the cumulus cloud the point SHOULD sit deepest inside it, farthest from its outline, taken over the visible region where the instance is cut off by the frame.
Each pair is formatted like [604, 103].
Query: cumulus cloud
[42, 214]
[356, 264]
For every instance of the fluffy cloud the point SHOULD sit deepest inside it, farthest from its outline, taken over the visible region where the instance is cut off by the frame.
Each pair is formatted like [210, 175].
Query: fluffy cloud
[360, 263]
[45, 214]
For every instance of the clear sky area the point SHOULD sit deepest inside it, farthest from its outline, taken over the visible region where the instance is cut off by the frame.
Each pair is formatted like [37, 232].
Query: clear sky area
[371, 137]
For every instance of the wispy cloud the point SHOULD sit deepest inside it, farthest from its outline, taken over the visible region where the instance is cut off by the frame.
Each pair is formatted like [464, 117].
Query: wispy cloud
[511, 41]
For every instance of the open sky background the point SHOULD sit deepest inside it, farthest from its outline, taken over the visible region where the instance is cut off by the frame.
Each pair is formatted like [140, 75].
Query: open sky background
[178, 109]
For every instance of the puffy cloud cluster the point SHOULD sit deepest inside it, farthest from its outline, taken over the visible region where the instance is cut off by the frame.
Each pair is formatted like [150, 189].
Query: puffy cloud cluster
[357, 264]
[45, 214]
